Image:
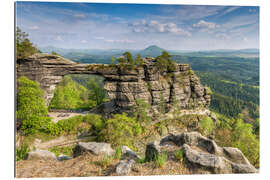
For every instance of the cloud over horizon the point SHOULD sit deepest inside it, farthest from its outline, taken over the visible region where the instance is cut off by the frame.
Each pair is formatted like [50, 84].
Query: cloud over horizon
[135, 26]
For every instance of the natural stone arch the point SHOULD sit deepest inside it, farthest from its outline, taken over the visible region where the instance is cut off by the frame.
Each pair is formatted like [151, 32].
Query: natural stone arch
[123, 85]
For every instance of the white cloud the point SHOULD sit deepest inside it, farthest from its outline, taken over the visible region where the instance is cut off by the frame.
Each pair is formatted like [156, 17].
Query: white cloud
[205, 25]
[245, 39]
[34, 27]
[222, 36]
[99, 38]
[119, 41]
[83, 41]
[79, 15]
[157, 27]
[58, 38]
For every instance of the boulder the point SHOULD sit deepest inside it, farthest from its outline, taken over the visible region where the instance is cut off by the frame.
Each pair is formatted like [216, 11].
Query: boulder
[94, 148]
[152, 151]
[203, 154]
[128, 153]
[124, 167]
[40, 155]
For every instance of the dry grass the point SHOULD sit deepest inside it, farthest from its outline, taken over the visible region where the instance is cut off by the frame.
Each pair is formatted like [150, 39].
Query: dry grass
[91, 165]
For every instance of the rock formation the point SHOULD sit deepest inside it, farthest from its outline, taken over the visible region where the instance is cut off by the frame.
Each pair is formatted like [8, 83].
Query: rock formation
[203, 155]
[123, 85]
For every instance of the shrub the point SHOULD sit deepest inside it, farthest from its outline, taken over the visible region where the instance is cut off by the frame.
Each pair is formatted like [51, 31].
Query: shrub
[95, 121]
[30, 102]
[70, 95]
[120, 130]
[33, 124]
[160, 159]
[246, 141]
[140, 111]
[69, 125]
[67, 150]
[118, 153]
[21, 152]
[206, 126]
[105, 161]
[179, 155]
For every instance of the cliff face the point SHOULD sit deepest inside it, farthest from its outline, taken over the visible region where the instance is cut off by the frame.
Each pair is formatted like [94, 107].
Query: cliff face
[124, 85]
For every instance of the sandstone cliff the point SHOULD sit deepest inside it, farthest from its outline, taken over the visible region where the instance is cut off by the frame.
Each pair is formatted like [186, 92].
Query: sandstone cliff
[123, 85]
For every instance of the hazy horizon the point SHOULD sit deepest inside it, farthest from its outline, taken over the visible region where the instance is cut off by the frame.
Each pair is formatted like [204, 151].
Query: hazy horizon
[136, 26]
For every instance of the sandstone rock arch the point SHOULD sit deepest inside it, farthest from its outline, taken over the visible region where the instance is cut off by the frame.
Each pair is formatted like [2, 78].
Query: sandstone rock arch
[123, 86]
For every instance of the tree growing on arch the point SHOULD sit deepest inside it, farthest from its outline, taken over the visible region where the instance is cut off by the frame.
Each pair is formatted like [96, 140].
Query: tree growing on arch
[24, 47]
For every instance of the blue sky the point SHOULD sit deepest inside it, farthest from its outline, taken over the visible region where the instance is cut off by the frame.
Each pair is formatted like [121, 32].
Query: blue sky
[136, 26]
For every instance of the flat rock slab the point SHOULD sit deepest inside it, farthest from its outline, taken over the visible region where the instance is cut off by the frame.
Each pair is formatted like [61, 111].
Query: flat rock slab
[94, 148]
[41, 155]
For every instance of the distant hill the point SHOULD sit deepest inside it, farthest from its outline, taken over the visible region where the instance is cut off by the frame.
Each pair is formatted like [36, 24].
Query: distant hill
[153, 51]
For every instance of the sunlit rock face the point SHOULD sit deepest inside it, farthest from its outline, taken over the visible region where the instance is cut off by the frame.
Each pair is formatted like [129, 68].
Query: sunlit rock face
[123, 84]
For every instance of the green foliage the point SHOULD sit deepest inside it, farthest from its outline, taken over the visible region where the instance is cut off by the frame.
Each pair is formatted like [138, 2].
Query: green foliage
[139, 60]
[21, 152]
[34, 124]
[120, 130]
[70, 95]
[160, 159]
[206, 126]
[179, 154]
[246, 141]
[24, 47]
[161, 105]
[69, 125]
[256, 127]
[54, 53]
[140, 112]
[118, 153]
[66, 150]
[209, 91]
[95, 121]
[31, 109]
[235, 133]
[164, 62]
[96, 92]
[105, 161]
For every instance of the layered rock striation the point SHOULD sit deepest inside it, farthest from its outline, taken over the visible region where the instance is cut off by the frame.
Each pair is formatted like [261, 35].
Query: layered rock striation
[123, 84]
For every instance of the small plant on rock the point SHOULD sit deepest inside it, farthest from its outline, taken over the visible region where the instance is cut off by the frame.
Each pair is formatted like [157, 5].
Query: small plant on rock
[160, 159]
[21, 152]
[179, 155]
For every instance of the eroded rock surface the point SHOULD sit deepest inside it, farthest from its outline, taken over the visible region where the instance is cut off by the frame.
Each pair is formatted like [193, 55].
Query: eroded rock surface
[123, 85]
[94, 148]
[203, 155]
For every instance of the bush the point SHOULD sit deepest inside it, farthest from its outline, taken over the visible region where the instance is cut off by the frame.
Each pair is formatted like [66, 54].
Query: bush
[21, 152]
[69, 125]
[160, 159]
[70, 95]
[31, 111]
[95, 121]
[67, 150]
[246, 141]
[179, 154]
[206, 126]
[120, 130]
[105, 161]
[118, 153]
[34, 124]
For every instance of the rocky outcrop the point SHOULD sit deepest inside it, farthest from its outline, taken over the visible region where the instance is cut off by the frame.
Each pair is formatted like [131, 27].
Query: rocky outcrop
[124, 85]
[94, 148]
[203, 155]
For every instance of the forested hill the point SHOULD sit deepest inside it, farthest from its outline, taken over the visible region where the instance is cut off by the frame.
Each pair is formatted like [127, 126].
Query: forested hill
[234, 81]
